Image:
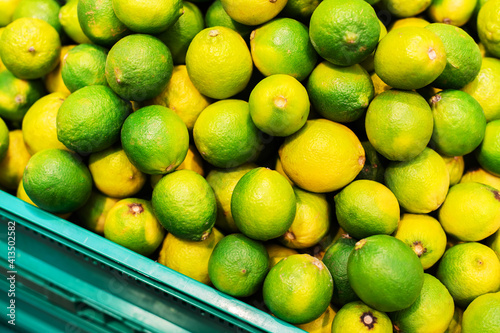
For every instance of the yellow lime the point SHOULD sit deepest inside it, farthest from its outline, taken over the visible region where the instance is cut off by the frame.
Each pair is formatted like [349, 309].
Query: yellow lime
[455, 166]
[68, 16]
[452, 12]
[53, 80]
[8, 7]
[92, 215]
[404, 8]
[15, 160]
[482, 176]
[483, 315]
[359, 317]
[277, 253]
[322, 324]
[488, 154]
[409, 22]
[488, 26]
[261, 10]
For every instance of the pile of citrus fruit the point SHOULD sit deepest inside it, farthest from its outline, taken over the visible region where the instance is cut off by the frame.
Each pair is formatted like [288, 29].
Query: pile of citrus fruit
[338, 159]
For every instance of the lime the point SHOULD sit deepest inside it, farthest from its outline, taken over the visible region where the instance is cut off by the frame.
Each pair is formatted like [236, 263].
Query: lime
[277, 253]
[469, 270]
[410, 58]
[365, 208]
[431, 312]
[4, 139]
[184, 203]
[311, 223]
[113, 173]
[399, 124]
[452, 12]
[219, 62]
[150, 17]
[181, 33]
[485, 88]
[155, 139]
[373, 168]
[456, 322]
[188, 257]
[279, 105]
[30, 48]
[217, 16]
[424, 235]
[344, 32]
[40, 123]
[463, 57]
[488, 154]
[238, 265]
[181, 96]
[225, 134]
[132, 224]
[84, 65]
[57, 181]
[403, 8]
[68, 17]
[263, 204]
[8, 7]
[409, 22]
[300, 10]
[335, 259]
[82, 110]
[471, 211]
[368, 63]
[482, 176]
[322, 142]
[282, 46]
[494, 242]
[379, 85]
[223, 182]
[21, 194]
[322, 324]
[359, 317]
[47, 10]
[488, 23]
[385, 273]
[261, 10]
[92, 215]
[279, 167]
[17, 96]
[53, 80]
[14, 161]
[340, 93]
[455, 166]
[298, 289]
[99, 22]
[483, 314]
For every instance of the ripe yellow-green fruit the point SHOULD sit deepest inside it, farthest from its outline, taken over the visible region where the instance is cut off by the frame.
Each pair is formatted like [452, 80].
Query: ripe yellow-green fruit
[322, 324]
[482, 315]
[453, 12]
[488, 154]
[279, 167]
[409, 22]
[488, 23]
[298, 289]
[4, 139]
[379, 85]
[189, 257]
[84, 65]
[301, 10]
[132, 224]
[68, 17]
[14, 161]
[40, 123]
[410, 58]
[482, 176]
[217, 16]
[53, 81]
[8, 7]
[424, 235]
[57, 181]
[359, 317]
[92, 215]
[47, 10]
[405, 8]
[253, 12]
[420, 184]
[277, 253]
[322, 142]
[455, 166]
[30, 48]
[219, 62]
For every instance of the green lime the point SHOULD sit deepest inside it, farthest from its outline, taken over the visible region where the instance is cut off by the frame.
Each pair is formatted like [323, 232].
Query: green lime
[385, 273]
[399, 124]
[14, 162]
[238, 265]
[410, 58]
[189, 257]
[84, 65]
[149, 17]
[155, 139]
[47, 10]
[359, 317]
[335, 259]
[17, 95]
[92, 215]
[455, 166]
[30, 48]
[373, 168]
[219, 62]
[279, 105]
[57, 181]
[368, 62]
[185, 205]
[225, 134]
[4, 139]
[463, 57]
[365, 208]
[8, 8]
[311, 223]
[424, 235]
[340, 94]
[132, 224]
[488, 21]
[469, 270]
[488, 154]
[344, 32]
[431, 312]
[404, 8]
[483, 315]
[99, 22]
[217, 16]
[482, 176]
[263, 204]
[68, 17]
[420, 184]
[82, 110]
[471, 211]
[300, 10]
[261, 10]
[282, 46]
[223, 182]
[40, 123]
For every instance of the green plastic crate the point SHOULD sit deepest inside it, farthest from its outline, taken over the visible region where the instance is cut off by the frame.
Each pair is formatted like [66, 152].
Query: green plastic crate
[72, 280]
